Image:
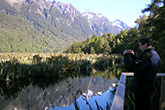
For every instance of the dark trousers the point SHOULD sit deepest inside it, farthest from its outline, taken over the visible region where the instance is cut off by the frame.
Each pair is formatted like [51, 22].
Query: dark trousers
[142, 97]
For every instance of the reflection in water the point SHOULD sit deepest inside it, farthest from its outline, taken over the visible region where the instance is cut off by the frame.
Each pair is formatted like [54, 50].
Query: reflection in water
[104, 101]
[39, 94]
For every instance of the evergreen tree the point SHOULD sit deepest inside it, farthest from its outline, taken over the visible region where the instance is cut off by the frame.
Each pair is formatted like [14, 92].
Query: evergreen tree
[92, 50]
[94, 36]
[99, 45]
[141, 21]
[107, 48]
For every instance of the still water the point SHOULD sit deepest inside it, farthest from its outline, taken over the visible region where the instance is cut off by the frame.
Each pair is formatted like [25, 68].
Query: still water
[46, 94]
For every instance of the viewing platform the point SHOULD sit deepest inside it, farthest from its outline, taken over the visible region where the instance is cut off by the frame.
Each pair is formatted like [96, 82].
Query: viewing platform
[118, 102]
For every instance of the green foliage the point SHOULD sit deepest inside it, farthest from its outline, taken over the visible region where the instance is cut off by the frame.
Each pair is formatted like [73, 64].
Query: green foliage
[20, 66]
[152, 26]
[111, 66]
[98, 45]
[91, 46]
[16, 35]
[155, 28]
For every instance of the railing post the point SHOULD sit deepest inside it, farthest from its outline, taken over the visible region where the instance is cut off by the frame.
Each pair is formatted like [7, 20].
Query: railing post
[118, 102]
[162, 96]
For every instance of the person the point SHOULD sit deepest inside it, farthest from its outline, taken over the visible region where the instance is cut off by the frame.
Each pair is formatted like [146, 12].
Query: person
[145, 68]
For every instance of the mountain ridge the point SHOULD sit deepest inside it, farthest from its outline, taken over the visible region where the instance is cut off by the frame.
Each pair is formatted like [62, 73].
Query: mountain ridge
[58, 23]
[120, 24]
[99, 23]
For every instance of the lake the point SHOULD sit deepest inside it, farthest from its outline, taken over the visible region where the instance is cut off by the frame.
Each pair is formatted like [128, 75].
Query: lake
[57, 94]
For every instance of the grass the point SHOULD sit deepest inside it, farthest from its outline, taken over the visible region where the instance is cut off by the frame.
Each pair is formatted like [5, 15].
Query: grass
[14, 66]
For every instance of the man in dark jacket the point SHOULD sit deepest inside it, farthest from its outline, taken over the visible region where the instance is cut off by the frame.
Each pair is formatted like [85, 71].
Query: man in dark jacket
[145, 68]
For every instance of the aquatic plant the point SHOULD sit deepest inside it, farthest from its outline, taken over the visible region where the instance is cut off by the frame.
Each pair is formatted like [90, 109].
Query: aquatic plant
[20, 65]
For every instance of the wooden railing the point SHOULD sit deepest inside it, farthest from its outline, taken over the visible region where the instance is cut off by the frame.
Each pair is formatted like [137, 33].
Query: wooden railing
[118, 102]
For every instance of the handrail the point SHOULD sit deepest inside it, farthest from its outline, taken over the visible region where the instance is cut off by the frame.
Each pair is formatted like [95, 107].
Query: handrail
[118, 102]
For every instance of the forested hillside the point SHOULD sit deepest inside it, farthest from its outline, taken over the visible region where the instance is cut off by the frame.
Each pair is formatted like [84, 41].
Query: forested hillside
[152, 26]
[44, 26]
[17, 35]
[55, 25]
[38, 26]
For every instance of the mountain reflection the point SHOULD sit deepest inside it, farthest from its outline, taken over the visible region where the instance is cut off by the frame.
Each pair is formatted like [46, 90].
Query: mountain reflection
[55, 93]
[104, 101]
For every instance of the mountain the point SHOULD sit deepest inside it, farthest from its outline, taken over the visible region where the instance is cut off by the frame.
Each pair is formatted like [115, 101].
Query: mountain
[74, 17]
[45, 26]
[99, 23]
[120, 25]
[40, 23]
[67, 9]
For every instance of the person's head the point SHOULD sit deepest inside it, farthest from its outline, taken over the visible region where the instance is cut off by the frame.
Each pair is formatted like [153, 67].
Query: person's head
[145, 43]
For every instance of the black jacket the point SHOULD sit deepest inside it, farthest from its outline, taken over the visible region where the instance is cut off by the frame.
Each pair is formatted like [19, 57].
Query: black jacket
[145, 67]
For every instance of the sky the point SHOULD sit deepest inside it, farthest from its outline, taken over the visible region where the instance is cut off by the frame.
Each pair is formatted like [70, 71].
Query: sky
[125, 10]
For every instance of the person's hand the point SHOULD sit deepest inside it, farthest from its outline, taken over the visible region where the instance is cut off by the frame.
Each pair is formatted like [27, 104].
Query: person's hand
[128, 51]
[131, 51]
[125, 51]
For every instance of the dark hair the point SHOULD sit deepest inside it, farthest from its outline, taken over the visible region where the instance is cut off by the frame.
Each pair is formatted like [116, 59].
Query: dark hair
[146, 40]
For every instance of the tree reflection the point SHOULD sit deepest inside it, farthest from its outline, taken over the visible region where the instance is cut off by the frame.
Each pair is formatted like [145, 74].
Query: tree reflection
[108, 68]
[8, 89]
[12, 89]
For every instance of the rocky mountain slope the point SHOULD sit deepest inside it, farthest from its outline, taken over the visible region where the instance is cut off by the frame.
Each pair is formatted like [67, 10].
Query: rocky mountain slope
[99, 23]
[45, 26]
[120, 24]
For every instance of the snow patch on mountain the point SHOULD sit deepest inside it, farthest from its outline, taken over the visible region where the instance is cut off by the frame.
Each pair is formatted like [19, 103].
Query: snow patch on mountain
[99, 21]
[120, 24]
[66, 8]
